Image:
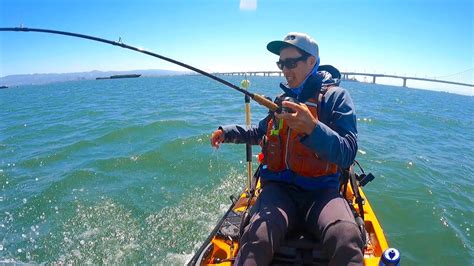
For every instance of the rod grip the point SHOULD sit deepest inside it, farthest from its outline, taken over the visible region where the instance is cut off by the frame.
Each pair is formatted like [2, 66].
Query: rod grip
[265, 102]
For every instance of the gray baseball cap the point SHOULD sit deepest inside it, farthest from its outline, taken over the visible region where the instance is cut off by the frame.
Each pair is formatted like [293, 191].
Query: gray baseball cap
[299, 40]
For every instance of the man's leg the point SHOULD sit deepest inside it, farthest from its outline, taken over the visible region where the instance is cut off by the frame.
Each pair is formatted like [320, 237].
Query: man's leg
[330, 218]
[274, 214]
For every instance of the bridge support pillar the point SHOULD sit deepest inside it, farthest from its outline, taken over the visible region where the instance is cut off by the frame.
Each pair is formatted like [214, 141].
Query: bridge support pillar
[373, 79]
[404, 82]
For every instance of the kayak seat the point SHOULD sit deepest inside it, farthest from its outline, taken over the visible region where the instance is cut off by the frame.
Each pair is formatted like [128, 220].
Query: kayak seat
[300, 249]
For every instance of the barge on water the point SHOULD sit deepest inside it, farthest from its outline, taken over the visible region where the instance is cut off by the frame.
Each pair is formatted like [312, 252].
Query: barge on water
[121, 76]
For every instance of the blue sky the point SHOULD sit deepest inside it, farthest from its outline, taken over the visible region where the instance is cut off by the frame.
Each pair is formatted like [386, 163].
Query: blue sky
[414, 38]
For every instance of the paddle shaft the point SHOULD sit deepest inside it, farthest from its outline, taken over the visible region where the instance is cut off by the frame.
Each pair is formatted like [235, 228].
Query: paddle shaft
[258, 98]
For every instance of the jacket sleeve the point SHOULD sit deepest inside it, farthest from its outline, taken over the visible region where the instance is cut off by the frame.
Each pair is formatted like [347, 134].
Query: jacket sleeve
[240, 134]
[334, 137]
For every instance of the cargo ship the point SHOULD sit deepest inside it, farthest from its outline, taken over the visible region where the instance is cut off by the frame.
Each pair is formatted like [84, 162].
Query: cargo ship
[121, 76]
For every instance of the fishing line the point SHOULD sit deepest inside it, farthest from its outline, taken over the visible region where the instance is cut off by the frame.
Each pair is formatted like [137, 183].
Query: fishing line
[256, 97]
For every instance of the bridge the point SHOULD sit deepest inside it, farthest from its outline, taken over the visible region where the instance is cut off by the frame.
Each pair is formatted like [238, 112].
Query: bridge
[345, 76]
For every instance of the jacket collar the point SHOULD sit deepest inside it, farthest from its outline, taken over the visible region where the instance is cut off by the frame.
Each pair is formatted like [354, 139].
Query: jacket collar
[311, 88]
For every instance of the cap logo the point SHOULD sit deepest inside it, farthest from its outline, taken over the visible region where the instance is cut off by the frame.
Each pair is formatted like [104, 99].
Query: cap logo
[291, 37]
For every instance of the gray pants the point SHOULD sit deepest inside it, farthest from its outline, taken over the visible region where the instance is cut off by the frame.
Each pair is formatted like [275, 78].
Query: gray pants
[281, 208]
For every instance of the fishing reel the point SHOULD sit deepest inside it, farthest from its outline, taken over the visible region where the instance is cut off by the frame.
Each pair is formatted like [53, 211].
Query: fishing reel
[279, 102]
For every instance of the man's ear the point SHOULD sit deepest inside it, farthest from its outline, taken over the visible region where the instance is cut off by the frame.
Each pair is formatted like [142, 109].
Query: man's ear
[312, 60]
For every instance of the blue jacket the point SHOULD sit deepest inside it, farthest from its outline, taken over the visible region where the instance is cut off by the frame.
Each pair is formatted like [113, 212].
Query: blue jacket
[334, 137]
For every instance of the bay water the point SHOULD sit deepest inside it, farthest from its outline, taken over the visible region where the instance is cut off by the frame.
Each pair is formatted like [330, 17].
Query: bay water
[121, 171]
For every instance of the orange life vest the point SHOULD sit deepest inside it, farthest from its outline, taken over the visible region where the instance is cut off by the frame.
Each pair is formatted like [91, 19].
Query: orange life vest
[283, 150]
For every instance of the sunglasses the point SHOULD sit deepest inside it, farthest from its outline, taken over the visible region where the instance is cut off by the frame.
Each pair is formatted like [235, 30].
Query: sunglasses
[290, 63]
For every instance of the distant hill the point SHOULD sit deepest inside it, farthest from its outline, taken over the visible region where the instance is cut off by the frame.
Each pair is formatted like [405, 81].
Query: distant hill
[34, 79]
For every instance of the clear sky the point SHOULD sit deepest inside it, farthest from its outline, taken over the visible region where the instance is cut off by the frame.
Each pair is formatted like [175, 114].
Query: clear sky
[406, 37]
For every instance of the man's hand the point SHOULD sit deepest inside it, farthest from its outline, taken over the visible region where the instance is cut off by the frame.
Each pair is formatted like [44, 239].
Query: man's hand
[217, 137]
[301, 120]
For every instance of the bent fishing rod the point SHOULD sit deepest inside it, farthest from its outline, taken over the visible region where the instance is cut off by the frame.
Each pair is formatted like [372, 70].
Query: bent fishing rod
[256, 97]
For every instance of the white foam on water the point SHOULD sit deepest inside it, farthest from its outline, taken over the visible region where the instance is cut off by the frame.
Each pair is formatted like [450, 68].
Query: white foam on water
[104, 233]
[176, 232]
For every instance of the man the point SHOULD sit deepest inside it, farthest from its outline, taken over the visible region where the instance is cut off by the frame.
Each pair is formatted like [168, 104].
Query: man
[305, 146]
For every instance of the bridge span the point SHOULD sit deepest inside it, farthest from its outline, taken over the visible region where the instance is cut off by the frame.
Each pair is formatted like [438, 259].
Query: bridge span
[345, 76]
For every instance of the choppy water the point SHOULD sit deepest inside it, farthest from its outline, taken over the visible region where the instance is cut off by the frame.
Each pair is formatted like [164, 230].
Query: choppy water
[121, 171]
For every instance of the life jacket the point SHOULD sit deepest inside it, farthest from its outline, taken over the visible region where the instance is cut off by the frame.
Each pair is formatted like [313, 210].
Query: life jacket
[282, 149]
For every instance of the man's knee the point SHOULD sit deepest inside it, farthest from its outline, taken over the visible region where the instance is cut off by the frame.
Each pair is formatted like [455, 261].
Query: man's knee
[342, 243]
[257, 243]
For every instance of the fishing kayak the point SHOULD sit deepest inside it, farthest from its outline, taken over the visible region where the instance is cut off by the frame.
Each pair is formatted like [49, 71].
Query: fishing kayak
[222, 244]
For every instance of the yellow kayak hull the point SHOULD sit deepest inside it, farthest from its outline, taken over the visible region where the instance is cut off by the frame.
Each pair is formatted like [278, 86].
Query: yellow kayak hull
[222, 250]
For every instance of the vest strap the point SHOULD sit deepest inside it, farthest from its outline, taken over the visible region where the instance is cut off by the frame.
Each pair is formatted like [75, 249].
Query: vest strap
[277, 131]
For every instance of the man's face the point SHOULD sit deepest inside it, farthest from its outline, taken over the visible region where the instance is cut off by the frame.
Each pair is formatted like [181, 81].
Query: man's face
[296, 76]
